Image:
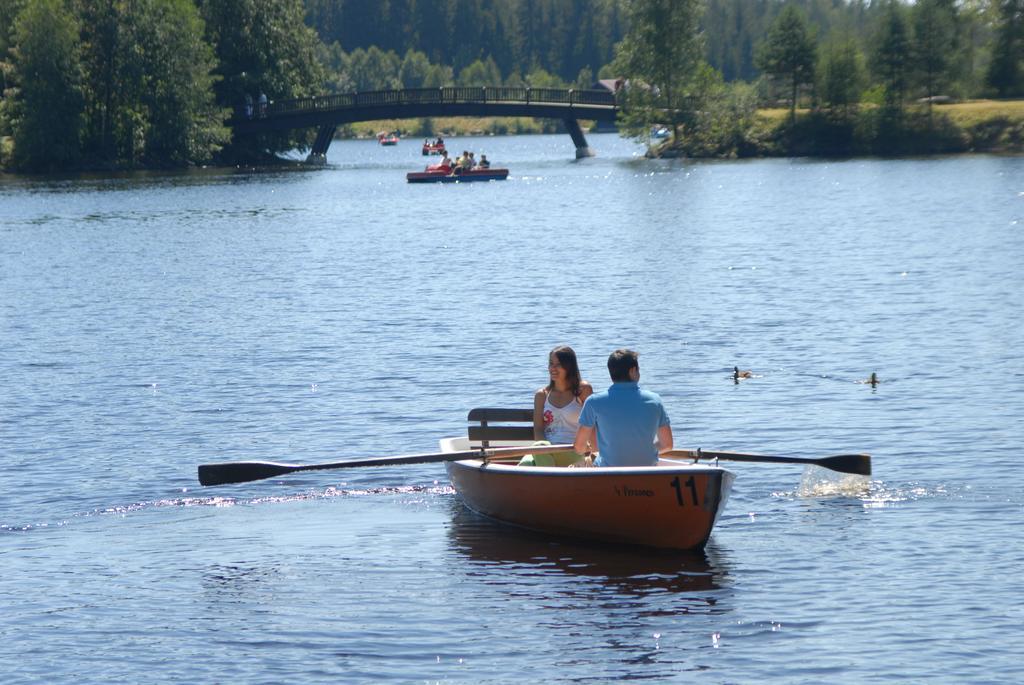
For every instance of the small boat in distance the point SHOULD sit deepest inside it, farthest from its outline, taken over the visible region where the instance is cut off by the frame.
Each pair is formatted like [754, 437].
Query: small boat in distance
[385, 138]
[434, 148]
[673, 505]
[443, 175]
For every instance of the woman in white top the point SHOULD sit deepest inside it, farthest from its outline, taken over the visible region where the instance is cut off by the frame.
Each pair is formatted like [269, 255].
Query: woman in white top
[556, 407]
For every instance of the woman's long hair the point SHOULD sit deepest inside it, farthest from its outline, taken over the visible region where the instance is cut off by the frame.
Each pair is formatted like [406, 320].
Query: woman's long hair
[566, 356]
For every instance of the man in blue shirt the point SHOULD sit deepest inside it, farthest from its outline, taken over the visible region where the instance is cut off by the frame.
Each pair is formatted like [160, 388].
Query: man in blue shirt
[626, 419]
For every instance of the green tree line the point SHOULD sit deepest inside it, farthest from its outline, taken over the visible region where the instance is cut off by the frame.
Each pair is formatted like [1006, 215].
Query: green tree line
[929, 51]
[130, 83]
[570, 38]
[123, 83]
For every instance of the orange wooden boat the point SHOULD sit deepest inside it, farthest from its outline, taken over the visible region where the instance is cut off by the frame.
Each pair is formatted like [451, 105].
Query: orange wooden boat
[673, 505]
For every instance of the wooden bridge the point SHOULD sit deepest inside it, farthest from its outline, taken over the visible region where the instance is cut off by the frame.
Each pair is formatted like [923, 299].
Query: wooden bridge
[327, 112]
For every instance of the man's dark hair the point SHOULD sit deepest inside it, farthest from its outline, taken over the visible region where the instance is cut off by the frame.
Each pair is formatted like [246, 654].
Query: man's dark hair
[620, 362]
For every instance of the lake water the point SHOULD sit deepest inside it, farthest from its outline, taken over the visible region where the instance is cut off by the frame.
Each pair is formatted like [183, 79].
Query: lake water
[150, 323]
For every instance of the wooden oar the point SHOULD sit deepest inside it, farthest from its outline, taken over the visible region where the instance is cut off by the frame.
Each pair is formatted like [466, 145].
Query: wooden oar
[245, 471]
[859, 464]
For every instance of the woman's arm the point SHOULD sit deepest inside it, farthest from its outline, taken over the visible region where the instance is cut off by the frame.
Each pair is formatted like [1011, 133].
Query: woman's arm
[538, 414]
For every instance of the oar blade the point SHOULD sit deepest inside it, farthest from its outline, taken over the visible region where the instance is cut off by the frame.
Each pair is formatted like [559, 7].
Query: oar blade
[859, 464]
[241, 471]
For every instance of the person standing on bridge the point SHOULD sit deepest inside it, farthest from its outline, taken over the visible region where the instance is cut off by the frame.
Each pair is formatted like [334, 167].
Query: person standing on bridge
[263, 104]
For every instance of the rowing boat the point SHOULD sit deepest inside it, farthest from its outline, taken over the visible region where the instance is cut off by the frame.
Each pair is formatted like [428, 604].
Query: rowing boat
[673, 505]
[441, 176]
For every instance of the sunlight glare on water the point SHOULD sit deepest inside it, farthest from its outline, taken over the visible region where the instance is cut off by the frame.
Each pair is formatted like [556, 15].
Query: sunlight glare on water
[150, 323]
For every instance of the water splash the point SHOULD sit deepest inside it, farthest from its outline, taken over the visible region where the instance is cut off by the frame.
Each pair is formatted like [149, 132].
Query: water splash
[818, 482]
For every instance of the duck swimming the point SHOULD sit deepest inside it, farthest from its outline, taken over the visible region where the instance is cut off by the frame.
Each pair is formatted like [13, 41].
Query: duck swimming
[738, 375]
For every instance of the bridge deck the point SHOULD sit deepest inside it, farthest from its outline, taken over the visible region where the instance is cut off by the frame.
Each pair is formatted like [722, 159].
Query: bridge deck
[329, 111]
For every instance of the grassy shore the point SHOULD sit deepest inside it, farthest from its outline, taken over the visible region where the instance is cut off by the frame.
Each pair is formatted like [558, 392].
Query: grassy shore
[974, 126]
[965, 114]
[429, 127]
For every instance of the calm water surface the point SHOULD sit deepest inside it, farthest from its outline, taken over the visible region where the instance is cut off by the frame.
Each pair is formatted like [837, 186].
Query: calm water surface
[151, 323]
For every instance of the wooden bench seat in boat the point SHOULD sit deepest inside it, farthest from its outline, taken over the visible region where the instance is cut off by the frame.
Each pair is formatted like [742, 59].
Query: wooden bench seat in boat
[500, 426]
[506, 427]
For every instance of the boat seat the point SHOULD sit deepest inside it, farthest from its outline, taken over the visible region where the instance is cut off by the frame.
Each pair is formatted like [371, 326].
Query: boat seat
[500, 425]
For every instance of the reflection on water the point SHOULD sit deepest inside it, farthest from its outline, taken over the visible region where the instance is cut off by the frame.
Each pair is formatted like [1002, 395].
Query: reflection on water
[629, 571]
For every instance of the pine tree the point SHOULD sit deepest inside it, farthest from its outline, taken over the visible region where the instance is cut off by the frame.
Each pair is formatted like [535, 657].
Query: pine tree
[788, 52]
[934, 31]
[1006, 71]
[841, 73]
[890, 58]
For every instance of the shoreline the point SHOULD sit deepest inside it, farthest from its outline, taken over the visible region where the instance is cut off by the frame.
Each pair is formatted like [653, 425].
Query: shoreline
[972, 127]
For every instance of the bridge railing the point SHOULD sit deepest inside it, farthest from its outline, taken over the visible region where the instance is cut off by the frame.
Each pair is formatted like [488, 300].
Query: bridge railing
[444, 95]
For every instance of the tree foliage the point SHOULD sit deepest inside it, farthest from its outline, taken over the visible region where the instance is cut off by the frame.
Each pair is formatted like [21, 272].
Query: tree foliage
[1006, 71]
[841, 73]
[562, 36]
[934, 24]
[182, 121]
[263, 47]
[46, 109]
[112, 83]
[480, 73]
[788, 52]
[660, 57]
[890, 58]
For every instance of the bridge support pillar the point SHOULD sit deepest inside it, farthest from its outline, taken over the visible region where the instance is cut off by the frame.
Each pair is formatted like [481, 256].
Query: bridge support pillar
[318, 154]
[582, 149]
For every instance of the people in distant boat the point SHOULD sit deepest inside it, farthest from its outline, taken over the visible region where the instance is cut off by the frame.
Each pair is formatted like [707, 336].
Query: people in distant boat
[444, 165]
[556, 408]
[457, 164]
[626, 419]
[484, 163]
